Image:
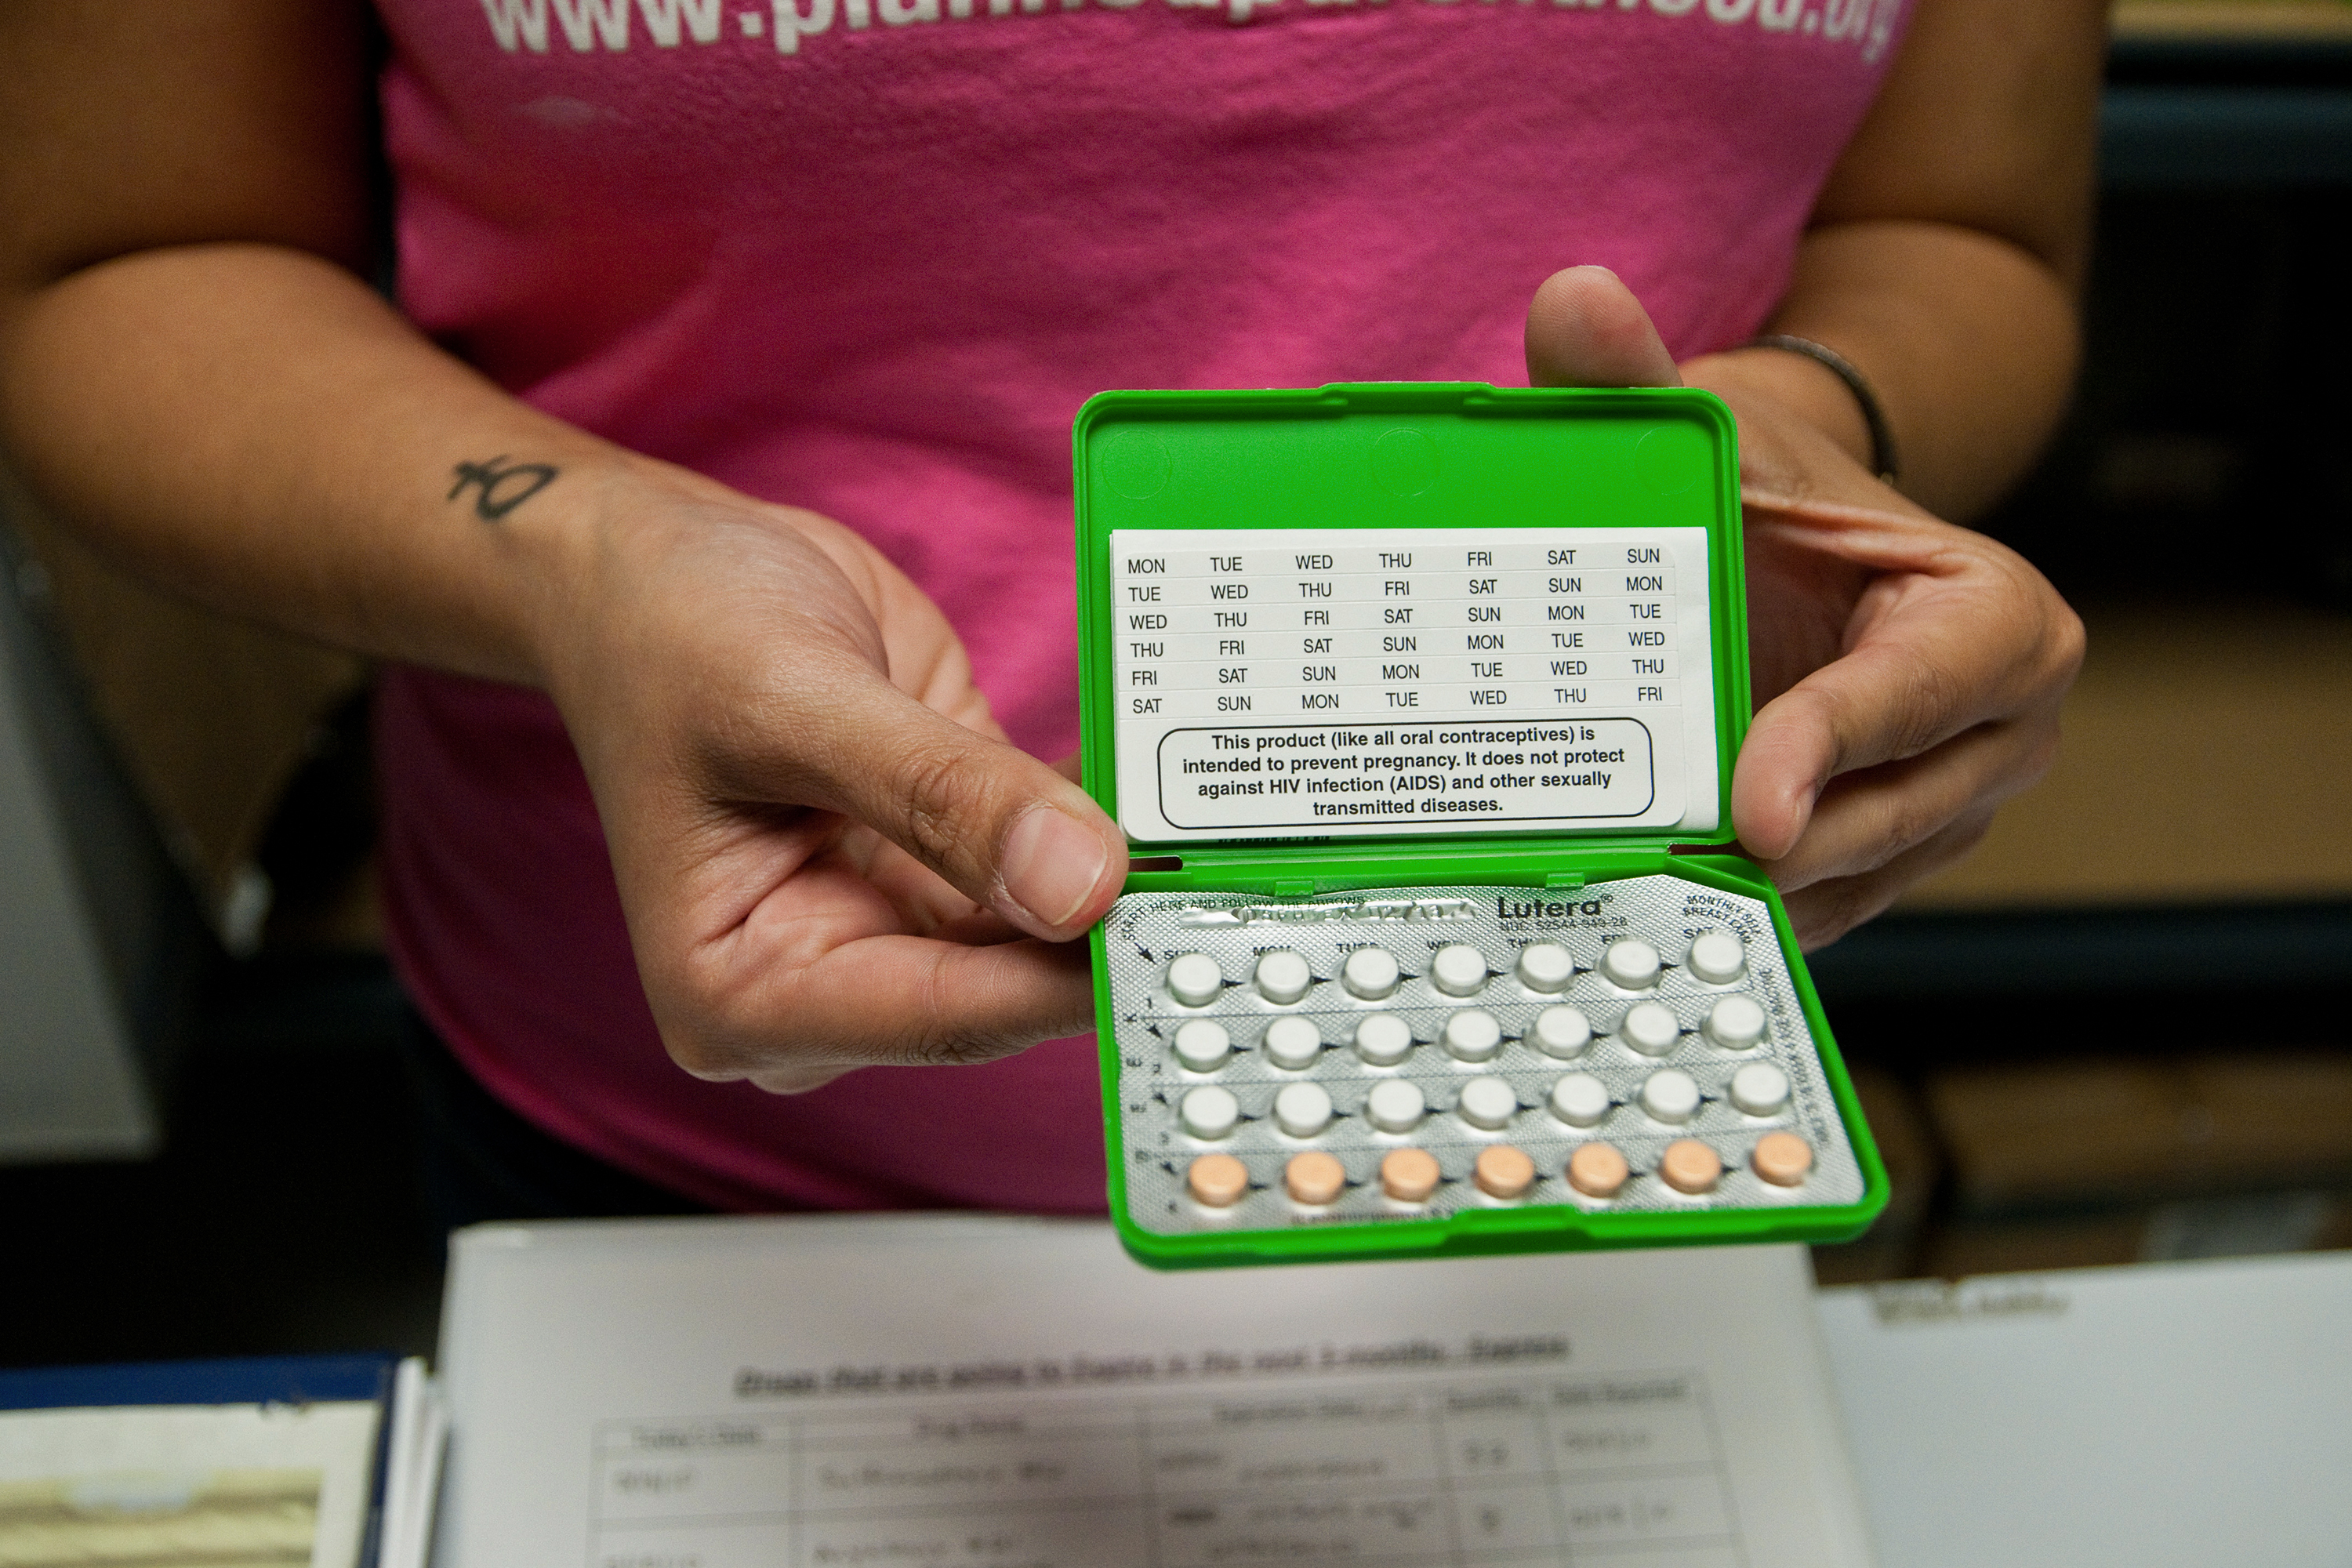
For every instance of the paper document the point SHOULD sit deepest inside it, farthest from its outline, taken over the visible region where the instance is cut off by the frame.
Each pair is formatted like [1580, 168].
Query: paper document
[412, 1470]
[2164, 1416]
[1012, 1393]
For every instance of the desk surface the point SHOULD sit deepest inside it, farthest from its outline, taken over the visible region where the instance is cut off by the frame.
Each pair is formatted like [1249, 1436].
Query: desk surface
[2188, 1414]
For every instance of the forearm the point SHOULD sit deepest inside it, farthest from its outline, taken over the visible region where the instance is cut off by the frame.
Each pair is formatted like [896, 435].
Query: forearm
[828, 853]
[253, 427]
[1969, 341]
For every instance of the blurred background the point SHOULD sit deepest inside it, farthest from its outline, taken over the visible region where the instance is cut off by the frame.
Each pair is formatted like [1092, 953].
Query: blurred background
[2118, 1033]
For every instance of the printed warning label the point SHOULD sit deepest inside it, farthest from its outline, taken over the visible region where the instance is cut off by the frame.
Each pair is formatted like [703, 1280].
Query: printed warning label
[1302, 775]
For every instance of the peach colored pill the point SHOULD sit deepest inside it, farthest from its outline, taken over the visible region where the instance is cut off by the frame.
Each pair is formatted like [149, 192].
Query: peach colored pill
[1597, 1171]
[1690, 1166]
[1503, 1172]
[1782, 1159]
[1218, 1180]
[1409, 1176]
[1315, 1177]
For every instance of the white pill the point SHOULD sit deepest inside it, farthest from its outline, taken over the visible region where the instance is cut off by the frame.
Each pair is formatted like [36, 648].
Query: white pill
[1395, 1105]
[1671, 1095]
[1488, 1102]
[1303, 1110]
[1283, 976]
[1458, 970]
[1292, 1043]
[1371, 972]
[1561, 1031]
[1472, 1036]
[1650, 1028]
[1734, 1022]
[1630, 963]
[1717, 957]
[1579, 1099]
[1208, 1112]
[1760, 1089]
[1195, 980]
[1384, 1039]
[1547, 967]
[1201, 1045]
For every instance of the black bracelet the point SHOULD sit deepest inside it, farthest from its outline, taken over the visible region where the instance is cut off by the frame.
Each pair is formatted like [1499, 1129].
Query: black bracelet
[1882, 441]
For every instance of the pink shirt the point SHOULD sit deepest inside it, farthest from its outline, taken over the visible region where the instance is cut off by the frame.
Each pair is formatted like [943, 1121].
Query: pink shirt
[868, 256]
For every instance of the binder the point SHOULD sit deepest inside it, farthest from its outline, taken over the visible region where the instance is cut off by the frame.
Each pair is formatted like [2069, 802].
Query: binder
[109, 1447]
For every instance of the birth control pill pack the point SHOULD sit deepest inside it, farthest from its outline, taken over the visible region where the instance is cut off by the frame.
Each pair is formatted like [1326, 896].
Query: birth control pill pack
[1418, 705]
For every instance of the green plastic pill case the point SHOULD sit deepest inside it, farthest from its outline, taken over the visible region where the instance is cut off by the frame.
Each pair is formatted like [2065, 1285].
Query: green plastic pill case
[1418, 704]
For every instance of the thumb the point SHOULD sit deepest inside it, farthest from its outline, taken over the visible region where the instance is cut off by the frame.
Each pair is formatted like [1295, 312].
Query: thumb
[1586, 329]
[1005, 828]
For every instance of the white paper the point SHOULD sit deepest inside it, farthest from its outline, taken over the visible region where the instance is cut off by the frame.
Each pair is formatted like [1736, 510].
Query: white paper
[420, 1431]
[1019, 1394]
[2169, 1415]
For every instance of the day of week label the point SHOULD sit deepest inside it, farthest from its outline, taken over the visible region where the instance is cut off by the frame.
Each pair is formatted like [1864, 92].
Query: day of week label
[1356, 681]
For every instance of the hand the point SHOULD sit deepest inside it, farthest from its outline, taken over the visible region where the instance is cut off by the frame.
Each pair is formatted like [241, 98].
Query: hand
[828, 855]
[1909, 671]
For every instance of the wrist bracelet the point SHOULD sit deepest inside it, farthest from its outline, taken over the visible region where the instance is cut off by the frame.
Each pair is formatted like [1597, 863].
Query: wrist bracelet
[1882, 441]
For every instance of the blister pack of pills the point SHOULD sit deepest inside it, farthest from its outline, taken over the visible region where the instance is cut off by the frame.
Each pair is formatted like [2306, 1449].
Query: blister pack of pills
[1633, 1045]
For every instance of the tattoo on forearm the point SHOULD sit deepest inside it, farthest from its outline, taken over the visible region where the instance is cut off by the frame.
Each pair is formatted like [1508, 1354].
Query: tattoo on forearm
[501, 489]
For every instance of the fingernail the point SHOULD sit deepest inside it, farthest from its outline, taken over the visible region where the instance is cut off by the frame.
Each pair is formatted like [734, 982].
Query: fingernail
[1051, 864]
